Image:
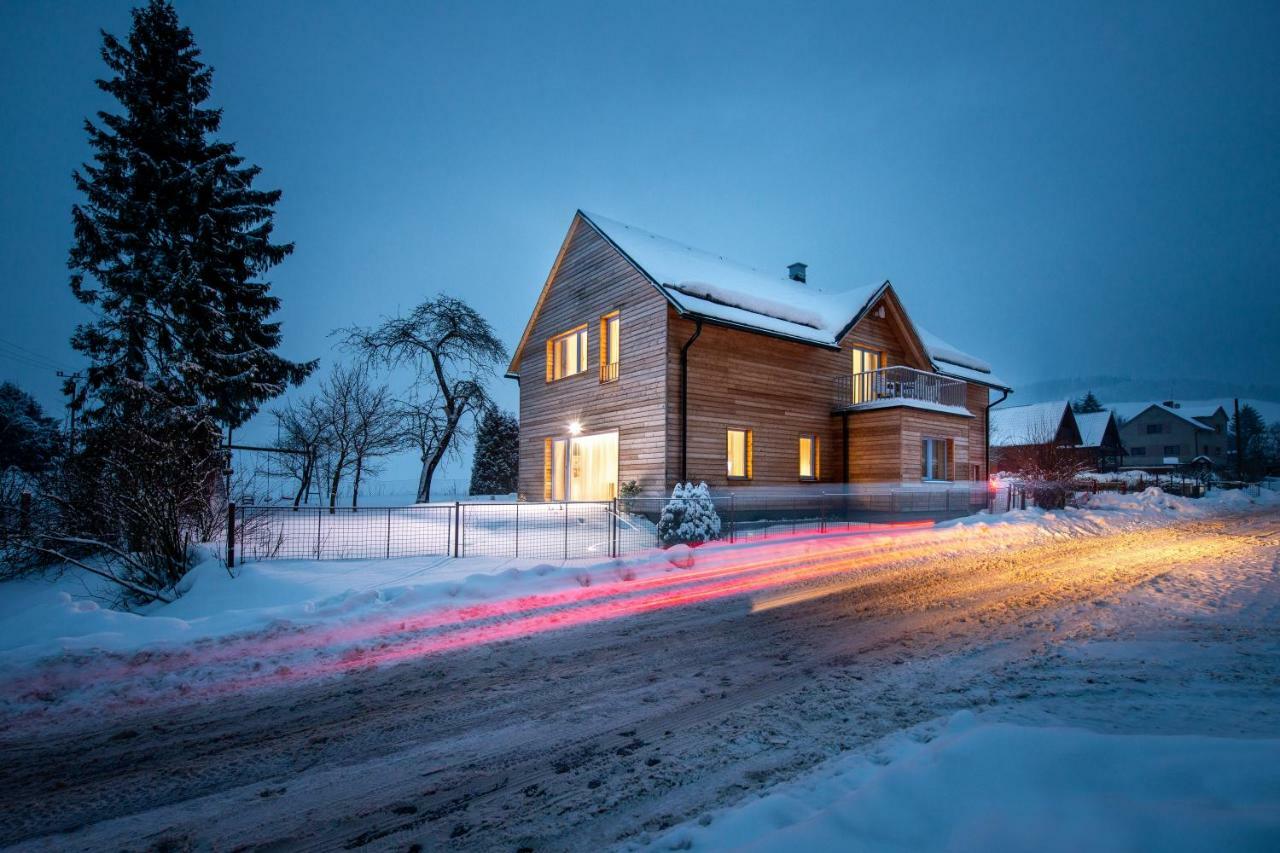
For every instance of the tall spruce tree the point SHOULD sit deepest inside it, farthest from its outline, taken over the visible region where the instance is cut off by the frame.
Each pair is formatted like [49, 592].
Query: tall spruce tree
[171, 243]
[1087, 404]
[496, 464]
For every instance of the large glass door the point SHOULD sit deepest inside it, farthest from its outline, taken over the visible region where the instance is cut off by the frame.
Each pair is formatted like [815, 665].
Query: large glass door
[865, 363]
[593, 467]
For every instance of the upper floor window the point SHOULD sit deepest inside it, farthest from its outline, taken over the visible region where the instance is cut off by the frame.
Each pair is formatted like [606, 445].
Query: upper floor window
[808, 457]
[1137, 451]
[610, 346]
[1155, 429]
[567, 354]
[738, 453]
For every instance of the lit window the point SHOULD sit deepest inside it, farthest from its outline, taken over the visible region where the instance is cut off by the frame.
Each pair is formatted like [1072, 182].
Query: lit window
[865, 363]
[738, 452]
[556, 479]
[610, 346]
[935, 459]
[808, 457]
[567, 354]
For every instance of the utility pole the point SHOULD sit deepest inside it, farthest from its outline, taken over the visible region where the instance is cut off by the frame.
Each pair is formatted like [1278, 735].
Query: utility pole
[72, 406]
[1239, 444]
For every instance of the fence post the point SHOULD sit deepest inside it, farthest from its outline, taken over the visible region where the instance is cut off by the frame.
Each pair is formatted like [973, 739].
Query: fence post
[613, 528]
[388, 533]
[565, 506]
[517, 527]
[733, 519]
[319, 516]
[231, 532]
[24, 515]
[457, 526]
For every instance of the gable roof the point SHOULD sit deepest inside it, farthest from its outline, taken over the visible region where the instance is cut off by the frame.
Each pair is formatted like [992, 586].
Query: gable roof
[1138, 409]
[1016, 426]
[709, 286]
[704, 284]
[1093, 427]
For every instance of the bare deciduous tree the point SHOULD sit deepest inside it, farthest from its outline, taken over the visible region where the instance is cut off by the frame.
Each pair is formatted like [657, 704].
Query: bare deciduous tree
[453, 351]
[302, 432]
[376, 430]
[1047, 465]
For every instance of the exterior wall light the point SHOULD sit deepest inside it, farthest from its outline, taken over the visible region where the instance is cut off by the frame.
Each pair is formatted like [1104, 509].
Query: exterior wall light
[575, 428]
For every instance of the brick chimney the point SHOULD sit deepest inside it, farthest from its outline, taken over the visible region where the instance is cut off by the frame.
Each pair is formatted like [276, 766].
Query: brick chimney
[796, 271]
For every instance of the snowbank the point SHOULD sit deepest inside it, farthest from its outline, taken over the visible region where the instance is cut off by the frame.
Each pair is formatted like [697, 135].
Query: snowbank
[985, 787]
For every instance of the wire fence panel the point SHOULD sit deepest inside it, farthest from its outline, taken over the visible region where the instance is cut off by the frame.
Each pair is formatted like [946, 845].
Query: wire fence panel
[561, 531]
[570, 530]
[315, 533]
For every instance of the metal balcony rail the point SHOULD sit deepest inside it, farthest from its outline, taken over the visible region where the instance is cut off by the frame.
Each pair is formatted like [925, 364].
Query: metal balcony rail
[609, 371]
[897, 383]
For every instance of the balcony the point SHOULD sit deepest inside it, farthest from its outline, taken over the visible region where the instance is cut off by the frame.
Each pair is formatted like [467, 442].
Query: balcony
[894, 386]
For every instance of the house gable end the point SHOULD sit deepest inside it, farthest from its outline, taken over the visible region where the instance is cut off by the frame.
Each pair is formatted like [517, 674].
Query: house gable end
[870, 327]
[583, 245]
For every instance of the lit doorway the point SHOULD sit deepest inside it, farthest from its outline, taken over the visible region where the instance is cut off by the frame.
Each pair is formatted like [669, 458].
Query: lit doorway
[593, 467]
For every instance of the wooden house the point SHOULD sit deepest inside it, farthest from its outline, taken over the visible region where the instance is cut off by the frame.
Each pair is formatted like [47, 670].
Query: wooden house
[1018, 432]
[649, 361]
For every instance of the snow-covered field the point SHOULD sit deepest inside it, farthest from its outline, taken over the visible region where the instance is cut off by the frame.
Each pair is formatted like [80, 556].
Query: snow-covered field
[990, 679]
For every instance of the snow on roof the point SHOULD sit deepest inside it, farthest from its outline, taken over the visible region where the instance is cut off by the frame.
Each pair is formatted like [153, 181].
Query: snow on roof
[1269, 409]
[1093, 427]
[956, 363]
[713, 286]
[1129, 411]
[1031, 424]
[940, 350]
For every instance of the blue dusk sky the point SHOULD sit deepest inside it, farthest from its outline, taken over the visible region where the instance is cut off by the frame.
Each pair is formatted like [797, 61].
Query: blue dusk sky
[1067, 190]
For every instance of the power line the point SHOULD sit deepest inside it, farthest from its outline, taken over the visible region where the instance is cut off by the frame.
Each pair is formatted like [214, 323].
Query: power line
[17, 352]
[29, 362]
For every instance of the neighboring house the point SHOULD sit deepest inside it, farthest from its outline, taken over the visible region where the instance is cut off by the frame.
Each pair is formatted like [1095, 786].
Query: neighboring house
[1017, 430]
[650, 361]
[1163, 436]
[1100, 443]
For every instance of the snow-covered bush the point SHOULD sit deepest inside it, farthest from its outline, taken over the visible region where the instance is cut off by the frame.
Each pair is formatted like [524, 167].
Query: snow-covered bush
[689, 518]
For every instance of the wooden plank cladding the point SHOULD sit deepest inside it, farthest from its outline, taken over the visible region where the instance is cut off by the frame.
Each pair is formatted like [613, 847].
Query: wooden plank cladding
[590, 282]
[775, 390]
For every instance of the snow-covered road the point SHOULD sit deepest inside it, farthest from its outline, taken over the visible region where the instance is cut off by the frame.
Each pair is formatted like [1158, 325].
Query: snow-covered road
[607, 716]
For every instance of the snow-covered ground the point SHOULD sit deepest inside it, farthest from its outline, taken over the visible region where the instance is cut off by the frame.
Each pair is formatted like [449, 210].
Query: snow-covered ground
[1198, 772]
[47, 619]
[960, 785]
[800, 685]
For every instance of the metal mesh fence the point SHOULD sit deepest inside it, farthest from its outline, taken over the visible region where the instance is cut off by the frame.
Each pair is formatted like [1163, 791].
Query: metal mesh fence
[572, 530]
[286, 533]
